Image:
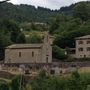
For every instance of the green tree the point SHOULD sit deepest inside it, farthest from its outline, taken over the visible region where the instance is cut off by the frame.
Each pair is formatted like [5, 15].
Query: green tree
[11, 29]
[18, 83]
[33, 26]
[21, 38]
[4, 86]
[82, 10]
[60, 18]
[58, 53]
[34, 38]
[75, 82]
[39, 83]
[46, 82]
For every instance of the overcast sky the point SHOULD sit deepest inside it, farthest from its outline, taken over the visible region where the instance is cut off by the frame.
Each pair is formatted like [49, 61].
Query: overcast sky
[52, 4]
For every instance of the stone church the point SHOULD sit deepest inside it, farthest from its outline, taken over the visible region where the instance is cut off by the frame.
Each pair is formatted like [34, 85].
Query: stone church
[30, 53]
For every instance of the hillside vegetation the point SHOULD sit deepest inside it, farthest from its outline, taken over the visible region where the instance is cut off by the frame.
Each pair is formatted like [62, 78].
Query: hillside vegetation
[66, 28]
[65, 25]
[44, 81]
[25, 13]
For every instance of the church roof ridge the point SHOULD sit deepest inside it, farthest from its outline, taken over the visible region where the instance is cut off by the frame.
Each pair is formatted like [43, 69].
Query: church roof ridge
[24, 45]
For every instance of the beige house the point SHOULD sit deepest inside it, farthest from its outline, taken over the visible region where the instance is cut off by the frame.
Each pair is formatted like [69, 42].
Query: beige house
[83, 46]
[30, 53]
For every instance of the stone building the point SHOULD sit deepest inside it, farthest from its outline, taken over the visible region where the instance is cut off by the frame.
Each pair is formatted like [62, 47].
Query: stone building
[30, 53]
[83, 46]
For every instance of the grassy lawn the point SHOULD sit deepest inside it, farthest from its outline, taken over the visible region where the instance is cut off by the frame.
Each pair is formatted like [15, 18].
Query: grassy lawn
[84, 70]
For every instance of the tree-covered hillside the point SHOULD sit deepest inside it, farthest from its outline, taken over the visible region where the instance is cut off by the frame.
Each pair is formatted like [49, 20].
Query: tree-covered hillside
[67, 28]
[28, 13]
[25, 13]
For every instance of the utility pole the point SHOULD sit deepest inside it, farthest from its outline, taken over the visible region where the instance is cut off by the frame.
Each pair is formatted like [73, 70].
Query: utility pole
[21, 77]
[4, 1]
[20, 87]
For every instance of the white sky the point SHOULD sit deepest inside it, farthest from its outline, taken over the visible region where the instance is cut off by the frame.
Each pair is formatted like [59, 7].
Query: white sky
[52, 4]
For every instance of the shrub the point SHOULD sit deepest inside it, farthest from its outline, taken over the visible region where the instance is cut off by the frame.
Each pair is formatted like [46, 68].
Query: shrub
[58, 53]
[4, 86]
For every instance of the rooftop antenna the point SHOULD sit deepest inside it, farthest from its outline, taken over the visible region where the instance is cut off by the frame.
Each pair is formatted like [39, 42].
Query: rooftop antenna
[4, 1]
